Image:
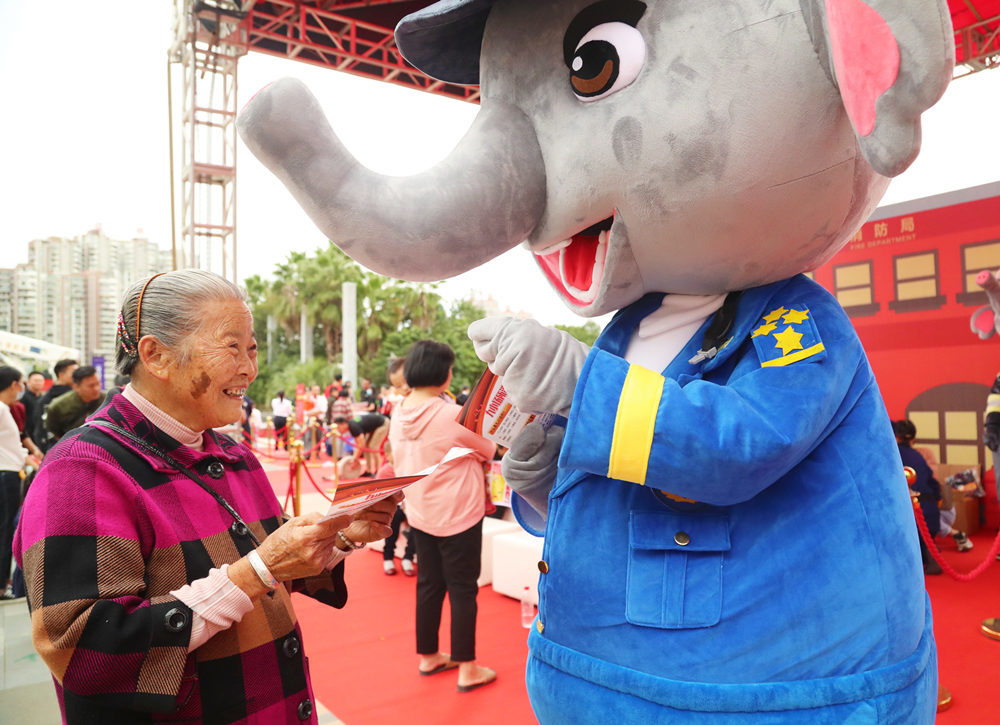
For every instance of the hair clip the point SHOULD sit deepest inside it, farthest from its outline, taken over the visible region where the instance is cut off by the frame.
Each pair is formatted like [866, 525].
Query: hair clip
[124, 339]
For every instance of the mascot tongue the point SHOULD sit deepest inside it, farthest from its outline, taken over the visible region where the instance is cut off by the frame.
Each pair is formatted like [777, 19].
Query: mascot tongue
[573, 265]
[578, 261]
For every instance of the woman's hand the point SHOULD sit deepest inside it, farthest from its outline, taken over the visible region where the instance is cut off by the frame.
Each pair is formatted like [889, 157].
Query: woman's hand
[301, 546]
[372, 523]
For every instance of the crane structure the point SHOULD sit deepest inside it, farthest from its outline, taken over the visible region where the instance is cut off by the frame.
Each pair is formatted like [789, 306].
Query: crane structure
[351, 36]
[205, 49]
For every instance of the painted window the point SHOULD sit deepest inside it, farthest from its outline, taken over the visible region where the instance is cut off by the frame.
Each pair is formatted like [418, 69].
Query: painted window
[948, 419]
[854, 289]
[976, 258]
[916, 281]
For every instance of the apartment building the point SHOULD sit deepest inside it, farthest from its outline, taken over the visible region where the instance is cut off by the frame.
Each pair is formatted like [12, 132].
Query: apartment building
[69, 290]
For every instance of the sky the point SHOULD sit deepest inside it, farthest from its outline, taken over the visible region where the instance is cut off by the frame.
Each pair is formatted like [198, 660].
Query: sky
[85, 134]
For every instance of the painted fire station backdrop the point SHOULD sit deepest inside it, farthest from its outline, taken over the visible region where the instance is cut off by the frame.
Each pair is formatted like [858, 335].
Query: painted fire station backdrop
[907, 280]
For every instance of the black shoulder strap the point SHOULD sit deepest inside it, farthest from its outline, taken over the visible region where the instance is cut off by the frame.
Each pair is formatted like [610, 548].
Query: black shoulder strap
[177, 465]
[718, 329]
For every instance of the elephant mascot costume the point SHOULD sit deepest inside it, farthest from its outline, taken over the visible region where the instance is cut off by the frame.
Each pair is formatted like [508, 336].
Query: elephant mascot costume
[728, 535]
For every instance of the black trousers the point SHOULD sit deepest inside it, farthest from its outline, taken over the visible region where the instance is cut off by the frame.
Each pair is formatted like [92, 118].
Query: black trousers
[280, 432]
[10, 502]
[390, 541]
[448, 564]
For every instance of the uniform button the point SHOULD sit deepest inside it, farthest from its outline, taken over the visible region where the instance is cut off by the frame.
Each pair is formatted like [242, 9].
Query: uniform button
[215, 469]
[290, 646]
[543, 566]
[175, 620]
[305, 709]
[539, 626]
[239, 529]
[682, 538]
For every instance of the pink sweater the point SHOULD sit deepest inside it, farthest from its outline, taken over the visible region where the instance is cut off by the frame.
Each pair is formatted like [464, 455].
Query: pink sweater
[215, 601]
[453, 498]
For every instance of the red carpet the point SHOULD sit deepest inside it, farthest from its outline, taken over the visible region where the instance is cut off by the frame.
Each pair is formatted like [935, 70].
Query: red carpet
[364, 666]
[968, 662]
[365, 671]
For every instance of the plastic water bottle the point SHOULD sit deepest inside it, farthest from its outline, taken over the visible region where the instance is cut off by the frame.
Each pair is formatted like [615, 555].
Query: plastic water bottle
[527, 609]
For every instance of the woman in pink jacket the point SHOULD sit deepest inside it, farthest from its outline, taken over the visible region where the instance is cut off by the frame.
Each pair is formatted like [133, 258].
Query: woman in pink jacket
[445, 511]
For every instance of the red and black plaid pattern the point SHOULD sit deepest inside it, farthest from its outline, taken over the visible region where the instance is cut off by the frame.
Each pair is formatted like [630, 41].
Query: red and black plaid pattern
[107, 533]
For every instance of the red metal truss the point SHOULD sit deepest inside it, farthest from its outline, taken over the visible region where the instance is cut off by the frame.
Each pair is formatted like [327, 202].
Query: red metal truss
[356, 36]
[352, 36]
[977, 34]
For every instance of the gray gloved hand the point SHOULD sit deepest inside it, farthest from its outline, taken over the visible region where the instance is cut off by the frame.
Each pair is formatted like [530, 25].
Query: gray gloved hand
[529, 467]
[539, 365]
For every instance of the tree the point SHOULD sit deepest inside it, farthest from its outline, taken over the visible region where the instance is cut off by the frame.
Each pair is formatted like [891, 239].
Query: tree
[322, 280]
[391, 316]
[586, 333]
[448, 326]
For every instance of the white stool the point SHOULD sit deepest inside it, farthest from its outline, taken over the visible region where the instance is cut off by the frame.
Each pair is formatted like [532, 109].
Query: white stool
[515, 564]
[492, 528]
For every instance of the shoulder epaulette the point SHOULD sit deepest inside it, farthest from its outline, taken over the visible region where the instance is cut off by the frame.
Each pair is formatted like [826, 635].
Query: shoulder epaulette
[787, 335]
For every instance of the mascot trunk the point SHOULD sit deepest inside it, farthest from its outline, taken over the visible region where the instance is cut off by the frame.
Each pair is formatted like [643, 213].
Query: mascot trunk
[727, 529]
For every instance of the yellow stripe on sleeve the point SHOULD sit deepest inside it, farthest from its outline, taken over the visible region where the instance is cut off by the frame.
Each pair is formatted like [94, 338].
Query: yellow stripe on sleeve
[634, 424]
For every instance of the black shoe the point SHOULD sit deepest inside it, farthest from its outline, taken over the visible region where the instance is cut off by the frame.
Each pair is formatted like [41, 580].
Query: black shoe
[964, 544]
[932, 568]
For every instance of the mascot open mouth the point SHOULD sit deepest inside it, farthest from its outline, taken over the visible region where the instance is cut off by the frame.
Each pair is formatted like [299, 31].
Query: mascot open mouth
[576, 265]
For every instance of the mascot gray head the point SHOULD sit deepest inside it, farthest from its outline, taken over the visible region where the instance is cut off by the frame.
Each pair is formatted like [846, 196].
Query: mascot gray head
[634, 146]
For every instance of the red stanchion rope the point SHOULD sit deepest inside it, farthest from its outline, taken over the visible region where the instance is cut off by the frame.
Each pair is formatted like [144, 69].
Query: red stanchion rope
[315, 485]
[265, 454]
[936, 553]
[293, 465]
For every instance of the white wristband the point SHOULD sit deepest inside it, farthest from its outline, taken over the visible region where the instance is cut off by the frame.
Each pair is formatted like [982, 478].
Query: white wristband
[266, 577]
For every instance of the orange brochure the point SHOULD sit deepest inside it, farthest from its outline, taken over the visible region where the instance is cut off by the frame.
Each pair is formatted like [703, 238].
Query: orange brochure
[490, 412]
[353, 496]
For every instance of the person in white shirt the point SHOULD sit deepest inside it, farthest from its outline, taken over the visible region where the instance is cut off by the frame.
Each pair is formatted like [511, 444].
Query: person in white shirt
[281, 410]
[315, 410]
[13, 457]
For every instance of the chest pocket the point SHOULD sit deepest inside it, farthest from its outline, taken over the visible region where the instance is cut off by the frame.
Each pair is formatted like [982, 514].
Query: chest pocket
[675, 569]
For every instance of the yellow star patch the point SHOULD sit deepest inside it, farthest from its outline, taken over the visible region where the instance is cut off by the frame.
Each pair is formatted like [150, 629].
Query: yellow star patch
[788, 340]
[786, 336]
[764, 329]
[796, 317]
[773, 315]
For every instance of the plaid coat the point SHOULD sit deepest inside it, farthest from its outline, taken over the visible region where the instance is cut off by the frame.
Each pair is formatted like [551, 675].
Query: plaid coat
[107, 533]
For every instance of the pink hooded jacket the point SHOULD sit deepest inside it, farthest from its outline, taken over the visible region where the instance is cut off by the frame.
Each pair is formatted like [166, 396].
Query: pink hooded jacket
[453, 498]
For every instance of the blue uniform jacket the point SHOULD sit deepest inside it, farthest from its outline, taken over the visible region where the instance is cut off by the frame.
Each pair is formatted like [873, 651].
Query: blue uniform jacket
[787, 589]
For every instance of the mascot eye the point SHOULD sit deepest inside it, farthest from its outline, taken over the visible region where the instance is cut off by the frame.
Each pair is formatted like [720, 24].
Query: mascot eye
[607, 58]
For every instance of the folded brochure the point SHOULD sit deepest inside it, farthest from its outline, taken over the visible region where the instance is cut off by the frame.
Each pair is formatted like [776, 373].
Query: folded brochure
[490, 412]
[353, 496]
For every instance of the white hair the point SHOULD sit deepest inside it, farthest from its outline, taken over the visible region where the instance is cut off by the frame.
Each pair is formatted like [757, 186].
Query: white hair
[172, 309]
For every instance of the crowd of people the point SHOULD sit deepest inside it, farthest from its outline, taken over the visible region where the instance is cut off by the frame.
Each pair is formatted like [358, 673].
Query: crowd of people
[154, 544]
[35, 412]
[183, 583]
[407, 426]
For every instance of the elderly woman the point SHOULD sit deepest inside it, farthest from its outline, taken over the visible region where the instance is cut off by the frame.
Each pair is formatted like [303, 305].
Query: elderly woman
[158, 568]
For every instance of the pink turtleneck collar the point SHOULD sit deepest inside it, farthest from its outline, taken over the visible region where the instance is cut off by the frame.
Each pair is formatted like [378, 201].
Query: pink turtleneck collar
[172, 427]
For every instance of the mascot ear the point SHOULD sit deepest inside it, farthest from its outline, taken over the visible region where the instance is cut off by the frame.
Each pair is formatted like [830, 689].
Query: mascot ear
[891, 60]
